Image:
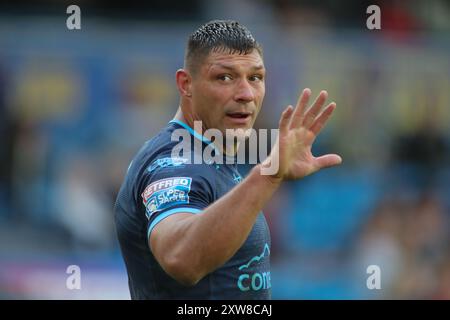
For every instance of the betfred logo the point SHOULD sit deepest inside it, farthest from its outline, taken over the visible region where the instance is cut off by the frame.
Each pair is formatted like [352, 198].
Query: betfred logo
[165, 184]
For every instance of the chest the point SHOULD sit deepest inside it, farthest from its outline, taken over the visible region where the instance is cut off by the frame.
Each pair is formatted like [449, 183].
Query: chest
[226, 178]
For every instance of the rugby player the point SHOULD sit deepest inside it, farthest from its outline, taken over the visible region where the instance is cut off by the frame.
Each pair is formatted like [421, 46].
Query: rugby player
[196, 231]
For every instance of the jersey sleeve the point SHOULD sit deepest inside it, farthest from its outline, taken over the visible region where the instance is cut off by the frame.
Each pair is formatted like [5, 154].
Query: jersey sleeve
[170, 186]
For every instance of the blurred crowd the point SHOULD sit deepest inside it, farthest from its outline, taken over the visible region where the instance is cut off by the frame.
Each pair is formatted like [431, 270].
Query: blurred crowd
[76, 106]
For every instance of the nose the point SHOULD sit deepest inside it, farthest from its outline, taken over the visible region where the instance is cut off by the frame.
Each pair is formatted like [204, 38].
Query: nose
[245, 92]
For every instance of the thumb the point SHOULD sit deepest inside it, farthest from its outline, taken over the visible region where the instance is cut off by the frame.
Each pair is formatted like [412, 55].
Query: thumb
[328, 160]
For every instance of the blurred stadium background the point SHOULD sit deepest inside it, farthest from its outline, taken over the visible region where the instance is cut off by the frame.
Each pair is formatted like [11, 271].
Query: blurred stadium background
[76, 105]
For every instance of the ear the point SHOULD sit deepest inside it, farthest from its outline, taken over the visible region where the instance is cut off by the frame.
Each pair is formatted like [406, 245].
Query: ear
[184, 82]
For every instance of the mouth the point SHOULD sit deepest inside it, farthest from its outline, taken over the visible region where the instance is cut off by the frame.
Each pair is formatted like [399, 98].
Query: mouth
[239, 117]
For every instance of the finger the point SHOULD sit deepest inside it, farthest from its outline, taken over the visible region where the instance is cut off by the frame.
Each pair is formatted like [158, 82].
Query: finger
[322, 118]
[312, 112]
[328, 160]
[300, 107]
[285, 119]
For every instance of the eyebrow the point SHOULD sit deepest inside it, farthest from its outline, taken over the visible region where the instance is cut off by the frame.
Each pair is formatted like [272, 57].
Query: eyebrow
[228, 67]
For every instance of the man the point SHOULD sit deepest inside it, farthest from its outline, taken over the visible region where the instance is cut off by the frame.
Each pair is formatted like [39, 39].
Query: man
[195, 231]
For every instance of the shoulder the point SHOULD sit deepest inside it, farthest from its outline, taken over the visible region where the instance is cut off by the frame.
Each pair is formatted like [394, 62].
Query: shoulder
[159, 163]
[162, 157]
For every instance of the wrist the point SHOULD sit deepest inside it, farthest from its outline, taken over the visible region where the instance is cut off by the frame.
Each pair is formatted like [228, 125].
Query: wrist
[271, 180]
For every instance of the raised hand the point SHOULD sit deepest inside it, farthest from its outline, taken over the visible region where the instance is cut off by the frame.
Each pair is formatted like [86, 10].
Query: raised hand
[298, 130]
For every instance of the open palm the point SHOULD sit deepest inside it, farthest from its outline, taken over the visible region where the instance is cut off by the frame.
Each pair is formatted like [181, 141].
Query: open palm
[298, 130]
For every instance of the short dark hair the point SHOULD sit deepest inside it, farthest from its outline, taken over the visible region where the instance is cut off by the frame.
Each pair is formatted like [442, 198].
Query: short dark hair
[219, 36]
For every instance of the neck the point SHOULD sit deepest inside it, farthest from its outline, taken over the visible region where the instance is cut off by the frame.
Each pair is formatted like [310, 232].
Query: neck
[190, 119]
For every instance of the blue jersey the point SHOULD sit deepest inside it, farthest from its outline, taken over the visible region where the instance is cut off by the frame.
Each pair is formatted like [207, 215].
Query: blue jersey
[158, 185]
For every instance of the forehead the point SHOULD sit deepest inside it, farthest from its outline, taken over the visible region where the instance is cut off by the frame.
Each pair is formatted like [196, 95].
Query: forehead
[224, 60]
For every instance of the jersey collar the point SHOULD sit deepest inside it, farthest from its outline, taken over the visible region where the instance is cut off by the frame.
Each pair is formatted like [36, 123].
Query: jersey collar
[195, 134]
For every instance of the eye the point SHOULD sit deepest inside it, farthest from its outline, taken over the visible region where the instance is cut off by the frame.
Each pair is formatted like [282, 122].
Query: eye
[256, 77]
[225, 77]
